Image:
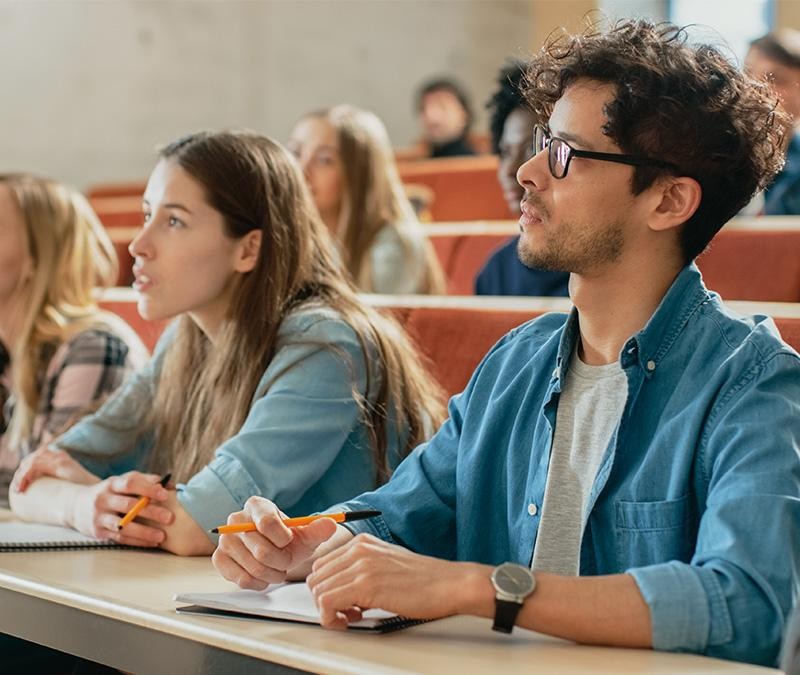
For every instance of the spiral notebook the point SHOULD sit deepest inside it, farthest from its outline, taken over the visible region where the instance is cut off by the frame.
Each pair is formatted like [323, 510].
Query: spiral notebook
[18, 536]
[282, 602]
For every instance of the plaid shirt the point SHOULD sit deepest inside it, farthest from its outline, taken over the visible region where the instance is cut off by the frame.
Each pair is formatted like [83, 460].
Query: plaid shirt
[80, 372]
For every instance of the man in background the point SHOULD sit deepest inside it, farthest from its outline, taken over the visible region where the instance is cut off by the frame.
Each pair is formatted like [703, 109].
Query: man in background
[775, 58]
[511, 128]
[445, 117]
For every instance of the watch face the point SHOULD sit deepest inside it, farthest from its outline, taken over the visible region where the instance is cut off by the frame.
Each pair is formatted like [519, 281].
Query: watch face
[513, 579]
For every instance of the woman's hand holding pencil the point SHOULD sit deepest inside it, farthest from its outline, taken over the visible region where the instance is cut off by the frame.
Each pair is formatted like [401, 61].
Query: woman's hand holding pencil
[100, 508]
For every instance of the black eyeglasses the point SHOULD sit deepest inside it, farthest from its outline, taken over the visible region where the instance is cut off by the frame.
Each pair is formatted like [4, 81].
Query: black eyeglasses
[560, 154]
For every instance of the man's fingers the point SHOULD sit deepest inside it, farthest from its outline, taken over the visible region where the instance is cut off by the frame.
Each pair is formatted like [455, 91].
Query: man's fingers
[307, 538]
[232, 571]
[337, 604]
[234, 547]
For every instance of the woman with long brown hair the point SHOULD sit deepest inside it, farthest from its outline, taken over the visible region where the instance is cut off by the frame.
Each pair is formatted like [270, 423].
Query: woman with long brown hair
[274, 380]
[59, 353]
[349, 165]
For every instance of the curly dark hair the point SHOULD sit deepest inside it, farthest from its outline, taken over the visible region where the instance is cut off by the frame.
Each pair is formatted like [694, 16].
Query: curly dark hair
[506, 99]
[680, 103]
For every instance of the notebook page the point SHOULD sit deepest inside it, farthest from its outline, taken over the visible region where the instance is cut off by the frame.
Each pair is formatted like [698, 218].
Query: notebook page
[33, 534]
[291, 601]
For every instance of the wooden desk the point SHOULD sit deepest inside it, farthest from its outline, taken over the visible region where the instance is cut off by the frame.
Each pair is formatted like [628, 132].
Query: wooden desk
[116, 607]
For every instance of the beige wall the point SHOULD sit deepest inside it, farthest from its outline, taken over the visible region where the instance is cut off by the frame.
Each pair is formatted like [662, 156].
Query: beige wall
[90, 88]
[787, 14]
[550, 15]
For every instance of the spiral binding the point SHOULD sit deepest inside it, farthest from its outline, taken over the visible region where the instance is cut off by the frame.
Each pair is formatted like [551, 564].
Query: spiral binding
[58, 546]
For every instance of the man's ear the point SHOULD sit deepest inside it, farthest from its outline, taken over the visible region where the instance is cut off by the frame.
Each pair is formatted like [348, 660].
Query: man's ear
[679, 199]
[247, 251]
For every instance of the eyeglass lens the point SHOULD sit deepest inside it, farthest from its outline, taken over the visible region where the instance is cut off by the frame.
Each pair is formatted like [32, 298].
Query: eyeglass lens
[558, 154]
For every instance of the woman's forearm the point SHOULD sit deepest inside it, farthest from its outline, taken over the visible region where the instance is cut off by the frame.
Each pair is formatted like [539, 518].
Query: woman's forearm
[47, 500]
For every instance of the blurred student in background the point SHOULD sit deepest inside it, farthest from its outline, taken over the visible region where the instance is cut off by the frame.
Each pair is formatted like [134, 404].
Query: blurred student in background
[511, 127]
[349, 166]
[275, 379]
[775, 58]
[445, 116]
[60, 353]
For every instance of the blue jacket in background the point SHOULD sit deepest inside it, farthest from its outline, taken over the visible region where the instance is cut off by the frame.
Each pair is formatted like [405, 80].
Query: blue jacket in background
[782, 197]
[697, 495]
[504, 274]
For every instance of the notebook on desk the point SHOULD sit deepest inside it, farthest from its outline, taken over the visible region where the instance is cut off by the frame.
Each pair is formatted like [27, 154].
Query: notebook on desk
[19, 536]
[282, 602]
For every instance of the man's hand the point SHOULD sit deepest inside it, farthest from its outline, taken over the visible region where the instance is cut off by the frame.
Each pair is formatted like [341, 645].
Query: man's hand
[367, 573]
[98, 508]
[256, 559]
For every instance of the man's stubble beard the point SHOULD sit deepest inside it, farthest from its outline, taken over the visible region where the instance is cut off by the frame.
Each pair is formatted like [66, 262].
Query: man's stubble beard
[566, 251]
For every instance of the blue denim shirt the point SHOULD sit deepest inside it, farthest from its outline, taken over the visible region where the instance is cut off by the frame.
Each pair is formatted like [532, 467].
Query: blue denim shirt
[697, 495]
[303, 444]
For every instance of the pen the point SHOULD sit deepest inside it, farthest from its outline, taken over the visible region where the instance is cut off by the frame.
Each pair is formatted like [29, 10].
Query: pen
[137, 508]
[296, 522]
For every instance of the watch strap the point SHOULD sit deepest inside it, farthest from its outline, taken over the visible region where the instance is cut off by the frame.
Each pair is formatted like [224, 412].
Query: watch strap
[505, 615]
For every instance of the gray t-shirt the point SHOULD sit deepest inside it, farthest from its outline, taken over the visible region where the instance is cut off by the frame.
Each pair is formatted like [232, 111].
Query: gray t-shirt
[590, 407]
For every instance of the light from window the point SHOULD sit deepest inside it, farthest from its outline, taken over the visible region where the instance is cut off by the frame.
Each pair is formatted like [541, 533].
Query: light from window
[732, 22]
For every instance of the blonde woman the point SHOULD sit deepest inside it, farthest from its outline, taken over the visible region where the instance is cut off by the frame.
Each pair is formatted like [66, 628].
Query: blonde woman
[275, 380]
[60, 354]
[349, 166]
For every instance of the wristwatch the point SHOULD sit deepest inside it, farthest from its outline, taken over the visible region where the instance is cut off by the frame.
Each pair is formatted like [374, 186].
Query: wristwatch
[512, 584]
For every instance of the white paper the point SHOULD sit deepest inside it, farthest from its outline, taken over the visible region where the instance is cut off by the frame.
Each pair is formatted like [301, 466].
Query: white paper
[280, 601]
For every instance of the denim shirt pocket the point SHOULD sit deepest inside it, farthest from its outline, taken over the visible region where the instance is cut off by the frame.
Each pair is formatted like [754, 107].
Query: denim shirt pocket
[648, 533]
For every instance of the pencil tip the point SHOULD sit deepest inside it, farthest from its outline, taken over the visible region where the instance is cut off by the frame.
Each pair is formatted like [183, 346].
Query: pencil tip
[214, 531]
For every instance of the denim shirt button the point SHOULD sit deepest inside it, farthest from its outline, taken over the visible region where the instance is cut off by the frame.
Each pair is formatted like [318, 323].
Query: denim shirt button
[532, 509]
[651, 366]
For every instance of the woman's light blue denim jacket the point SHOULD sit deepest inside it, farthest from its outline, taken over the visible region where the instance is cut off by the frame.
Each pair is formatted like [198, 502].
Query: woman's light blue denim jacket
[698, 493]
[303, 444]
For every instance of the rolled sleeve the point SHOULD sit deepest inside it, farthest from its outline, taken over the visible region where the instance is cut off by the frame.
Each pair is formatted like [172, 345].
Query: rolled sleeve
[679, 606]
[218, 490]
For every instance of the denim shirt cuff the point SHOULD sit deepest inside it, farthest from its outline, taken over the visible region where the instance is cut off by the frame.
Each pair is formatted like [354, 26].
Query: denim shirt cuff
[220, 489]
[377, 526]
[679, 611]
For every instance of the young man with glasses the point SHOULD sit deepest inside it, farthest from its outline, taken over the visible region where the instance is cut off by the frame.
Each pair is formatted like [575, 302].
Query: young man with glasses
[627, 474]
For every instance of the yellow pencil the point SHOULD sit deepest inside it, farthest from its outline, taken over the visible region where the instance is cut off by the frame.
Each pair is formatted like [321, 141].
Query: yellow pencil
[297, 522]
[137, 508]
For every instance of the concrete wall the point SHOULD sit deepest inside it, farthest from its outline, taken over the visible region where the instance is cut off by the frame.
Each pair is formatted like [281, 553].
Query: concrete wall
[91, 87]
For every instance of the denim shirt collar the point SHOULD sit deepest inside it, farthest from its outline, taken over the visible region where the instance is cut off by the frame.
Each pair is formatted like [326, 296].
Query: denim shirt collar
[648, 347]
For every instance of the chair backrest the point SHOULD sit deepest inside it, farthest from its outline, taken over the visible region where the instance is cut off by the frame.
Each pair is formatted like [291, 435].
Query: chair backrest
[454, 334]
[129, 189]
[465, 188]
[759, 264]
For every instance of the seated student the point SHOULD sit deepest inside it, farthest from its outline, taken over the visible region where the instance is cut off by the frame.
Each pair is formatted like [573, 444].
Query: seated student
[511, 126]
[59, 353]
[445, 116]
[776, 58]
[638, 466]
[347, 161]
[275, 380]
